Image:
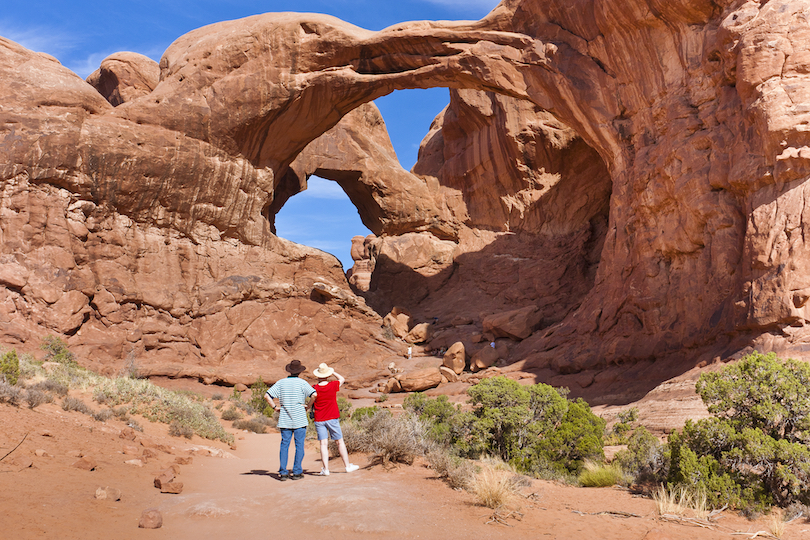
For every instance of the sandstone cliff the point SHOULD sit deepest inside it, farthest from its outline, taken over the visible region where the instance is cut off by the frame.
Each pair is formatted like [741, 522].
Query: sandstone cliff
[634, 170]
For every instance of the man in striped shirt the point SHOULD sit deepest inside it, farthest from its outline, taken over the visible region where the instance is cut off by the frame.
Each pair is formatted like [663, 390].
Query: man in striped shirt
[292, 394]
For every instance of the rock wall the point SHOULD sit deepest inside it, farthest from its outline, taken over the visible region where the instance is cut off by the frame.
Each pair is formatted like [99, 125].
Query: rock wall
[639, 178]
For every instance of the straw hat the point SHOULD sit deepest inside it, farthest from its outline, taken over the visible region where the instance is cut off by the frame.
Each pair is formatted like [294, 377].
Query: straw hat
[323, 371]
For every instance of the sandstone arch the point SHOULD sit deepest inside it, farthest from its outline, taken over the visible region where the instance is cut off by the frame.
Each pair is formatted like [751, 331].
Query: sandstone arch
[695, 107]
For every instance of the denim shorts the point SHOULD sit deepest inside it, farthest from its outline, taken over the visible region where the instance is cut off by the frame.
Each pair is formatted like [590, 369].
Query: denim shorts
[327, 428]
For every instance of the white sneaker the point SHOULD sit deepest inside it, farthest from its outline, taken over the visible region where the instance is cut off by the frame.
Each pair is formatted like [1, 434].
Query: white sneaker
[351, 467]
[324, 472]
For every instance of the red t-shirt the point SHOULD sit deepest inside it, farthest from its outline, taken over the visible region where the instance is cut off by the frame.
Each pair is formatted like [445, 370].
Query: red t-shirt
[326, 407]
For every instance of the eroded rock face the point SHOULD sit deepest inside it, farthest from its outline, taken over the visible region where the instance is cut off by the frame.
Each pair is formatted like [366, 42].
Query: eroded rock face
[639, 180]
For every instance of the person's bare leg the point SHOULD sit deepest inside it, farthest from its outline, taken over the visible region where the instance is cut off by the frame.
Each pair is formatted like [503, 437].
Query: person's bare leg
[325, 454]
[343, 453]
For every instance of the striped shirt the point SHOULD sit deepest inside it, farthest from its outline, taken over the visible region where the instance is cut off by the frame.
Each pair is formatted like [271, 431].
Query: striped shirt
[292, 394]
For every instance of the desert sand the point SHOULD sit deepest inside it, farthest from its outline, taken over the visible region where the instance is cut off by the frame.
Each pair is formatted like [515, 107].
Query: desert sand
[233, 492]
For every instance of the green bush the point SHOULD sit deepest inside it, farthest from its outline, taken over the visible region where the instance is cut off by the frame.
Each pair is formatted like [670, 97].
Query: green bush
[438, 412]
[534, 428]
[257, 401]
[623, 427]
[56, 350]
[364, 412]
[646, 459]
[10, 366]
[754, 451]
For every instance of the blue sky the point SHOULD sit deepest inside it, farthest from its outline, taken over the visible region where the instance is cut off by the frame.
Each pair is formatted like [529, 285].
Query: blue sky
[82, 33]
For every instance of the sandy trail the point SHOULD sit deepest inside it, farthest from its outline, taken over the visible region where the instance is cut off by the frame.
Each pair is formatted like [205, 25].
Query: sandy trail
[243, 496]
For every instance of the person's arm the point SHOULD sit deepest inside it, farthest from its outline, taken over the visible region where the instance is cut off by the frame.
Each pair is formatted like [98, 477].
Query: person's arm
[340, 378]
[311, 400]
[269, 399]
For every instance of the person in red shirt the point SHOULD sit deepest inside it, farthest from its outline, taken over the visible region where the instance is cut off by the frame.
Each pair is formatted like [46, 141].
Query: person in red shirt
[327, 417]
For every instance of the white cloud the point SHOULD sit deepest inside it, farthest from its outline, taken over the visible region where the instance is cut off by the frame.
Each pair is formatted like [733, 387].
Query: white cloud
[318, 188]
[39, 39]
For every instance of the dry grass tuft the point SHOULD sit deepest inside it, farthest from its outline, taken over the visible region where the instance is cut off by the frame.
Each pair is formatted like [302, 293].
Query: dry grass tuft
[495, 488]
[679, 501]
[776, 523]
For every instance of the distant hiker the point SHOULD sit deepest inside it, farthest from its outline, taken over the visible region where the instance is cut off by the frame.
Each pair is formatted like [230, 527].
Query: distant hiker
[292, 394]
[327, 417]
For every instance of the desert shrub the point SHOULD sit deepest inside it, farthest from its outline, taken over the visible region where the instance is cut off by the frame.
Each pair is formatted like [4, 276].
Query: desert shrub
[10, 366]
[35, 397]
[231, 414]
[646, 459]
[600, 475]
[381, 398]
[364, 412]
[391, 439]
[50, 386]
[535, 428]
[176, 429]
[456, 471]
[438, 412]
[217, 397]
[345, 407]
[75, 404]
[252, 424]
[99, 396]
[10, 394]
[623, 427]
[170, 407]
[754, 451]
[103, 415]
[121, 413]
[134, 424]
[56, 350]
[257, 401]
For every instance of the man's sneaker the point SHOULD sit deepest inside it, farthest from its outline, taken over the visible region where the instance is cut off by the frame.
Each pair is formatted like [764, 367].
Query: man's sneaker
[324, 472]
[297, 476]
[283, 477]
[351, 467]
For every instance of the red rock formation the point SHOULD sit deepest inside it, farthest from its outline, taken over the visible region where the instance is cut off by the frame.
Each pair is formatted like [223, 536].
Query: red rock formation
[639, 180]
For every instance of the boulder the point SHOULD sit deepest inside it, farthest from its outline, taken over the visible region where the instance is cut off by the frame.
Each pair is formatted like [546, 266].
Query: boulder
[108, 493]
[392, 386]
[399, 321]
[125, 76]
[151, 519]
[85, 463]
[172, 487]
[164, 477]
[420, 333]
[448, 374]
[517, 324]
[455, 358]
[417, 381]
[484, 358]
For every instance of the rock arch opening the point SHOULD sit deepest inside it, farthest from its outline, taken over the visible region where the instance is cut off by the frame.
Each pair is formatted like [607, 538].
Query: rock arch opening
[322, 217]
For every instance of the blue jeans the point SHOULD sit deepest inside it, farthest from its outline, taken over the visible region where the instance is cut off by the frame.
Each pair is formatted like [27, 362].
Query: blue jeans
[286, 434]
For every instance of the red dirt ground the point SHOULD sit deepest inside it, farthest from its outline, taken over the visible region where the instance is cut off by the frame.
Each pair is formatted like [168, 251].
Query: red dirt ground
[234, 494]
